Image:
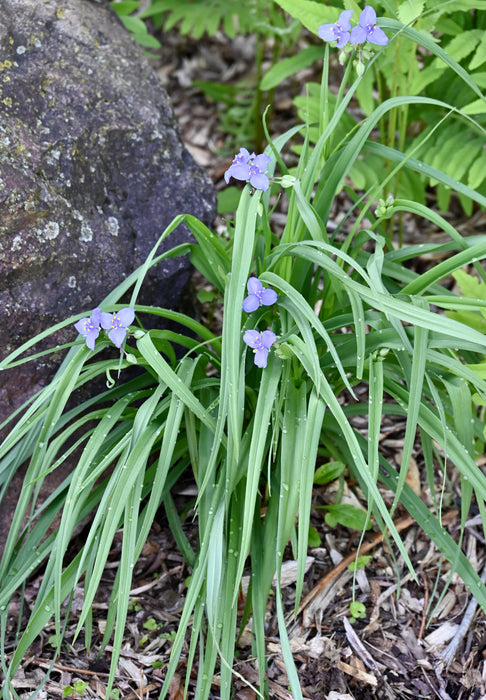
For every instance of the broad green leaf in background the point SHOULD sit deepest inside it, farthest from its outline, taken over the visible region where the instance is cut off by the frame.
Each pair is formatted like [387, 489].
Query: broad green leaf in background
[346, 515]
[310, 13]
[410, 10]
[328, 472]
[288, 66]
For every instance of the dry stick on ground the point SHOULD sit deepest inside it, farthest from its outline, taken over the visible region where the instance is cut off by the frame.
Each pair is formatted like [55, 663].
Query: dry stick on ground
[447, 656]
[45, 663]
[400, 525]
[426, 603]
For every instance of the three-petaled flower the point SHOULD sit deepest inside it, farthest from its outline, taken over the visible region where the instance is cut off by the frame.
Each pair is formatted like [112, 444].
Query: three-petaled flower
[261, 344]
[116, 324]
[338, 31]
[249, 167]
[258, 295]
[90, 327]
[367, 29]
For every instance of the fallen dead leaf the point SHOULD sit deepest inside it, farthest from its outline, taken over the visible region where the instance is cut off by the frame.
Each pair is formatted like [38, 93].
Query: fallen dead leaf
[358, 673]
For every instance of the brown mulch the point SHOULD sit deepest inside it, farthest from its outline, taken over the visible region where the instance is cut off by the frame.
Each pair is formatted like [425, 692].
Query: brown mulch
[394, 652]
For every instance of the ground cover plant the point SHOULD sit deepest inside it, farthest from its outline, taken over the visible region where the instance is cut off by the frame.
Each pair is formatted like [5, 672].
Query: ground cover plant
[309, 317]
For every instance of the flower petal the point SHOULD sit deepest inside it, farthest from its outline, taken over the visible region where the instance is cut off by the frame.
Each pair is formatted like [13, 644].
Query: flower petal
[328, 32]
[367, 17]
[252, 338]
[250, 303]
[343, 40]
[268, 338]
[80, 325]
[377, 36]
[117, 336]
[358, 35]
[91, 337]
[126, 316]
[268, 297]
[344, 20]
[261, 357]
[261, 161]
[106, 320]
[243, 156]
[96, 316]
[254, 285]
[240, 171]
[259, 181]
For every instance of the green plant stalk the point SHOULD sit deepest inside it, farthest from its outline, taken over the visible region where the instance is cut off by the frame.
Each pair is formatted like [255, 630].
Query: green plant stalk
[324, 99]
[258, 132]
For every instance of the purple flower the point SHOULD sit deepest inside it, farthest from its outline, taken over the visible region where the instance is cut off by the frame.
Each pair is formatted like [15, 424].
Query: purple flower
[367, 30]
[90, 327]
[116, 324]
[258, 295]
[339, 31]
[247, 166]
[261, 343]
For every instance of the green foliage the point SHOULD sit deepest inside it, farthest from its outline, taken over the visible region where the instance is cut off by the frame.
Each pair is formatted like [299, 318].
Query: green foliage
[77, 689]
[357, 611]
[360, 563]
[207, 17]
[473, 287]
[245, 102]
[151, 624]
[456, 148]
[135, 25]
[328, 472]
[352, 311]
[228, 200]
[346, 515]
[314, 539]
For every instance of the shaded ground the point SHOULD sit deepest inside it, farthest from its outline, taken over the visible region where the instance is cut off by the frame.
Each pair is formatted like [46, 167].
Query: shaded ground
[393, 653]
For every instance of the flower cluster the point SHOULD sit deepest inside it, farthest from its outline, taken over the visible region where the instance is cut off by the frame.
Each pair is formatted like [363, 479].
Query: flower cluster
[342, 34]
[116, 324]
[259, 342]
[250, 168]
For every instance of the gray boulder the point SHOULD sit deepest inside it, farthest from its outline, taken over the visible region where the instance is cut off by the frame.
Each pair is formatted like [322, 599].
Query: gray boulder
[92, 169]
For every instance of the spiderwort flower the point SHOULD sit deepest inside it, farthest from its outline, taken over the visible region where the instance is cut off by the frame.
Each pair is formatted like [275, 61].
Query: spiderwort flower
[367, 29]
[261, 344]
[258, 295]
[116, 324]
[248, 166]
[338, 31]
[90, 327]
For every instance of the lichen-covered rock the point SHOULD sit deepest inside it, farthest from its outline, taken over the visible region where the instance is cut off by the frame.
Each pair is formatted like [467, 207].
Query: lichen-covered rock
[92, 169]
